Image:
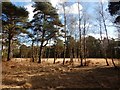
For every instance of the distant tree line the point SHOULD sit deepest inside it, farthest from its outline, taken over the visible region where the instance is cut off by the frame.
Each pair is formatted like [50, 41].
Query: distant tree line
[93, 49]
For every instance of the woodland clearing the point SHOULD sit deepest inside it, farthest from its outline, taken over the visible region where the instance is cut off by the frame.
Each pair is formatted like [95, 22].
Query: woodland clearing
[21, 73]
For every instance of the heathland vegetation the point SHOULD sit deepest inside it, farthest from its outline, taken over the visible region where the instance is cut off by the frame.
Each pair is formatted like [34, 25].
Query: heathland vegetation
[50, 48]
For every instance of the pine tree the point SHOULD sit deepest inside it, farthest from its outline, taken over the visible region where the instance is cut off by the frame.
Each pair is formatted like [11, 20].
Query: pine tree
[13, 19]
[45, 20]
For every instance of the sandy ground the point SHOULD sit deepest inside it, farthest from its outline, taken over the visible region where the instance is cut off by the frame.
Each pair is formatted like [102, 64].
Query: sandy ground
[21, 73]
[90, 61]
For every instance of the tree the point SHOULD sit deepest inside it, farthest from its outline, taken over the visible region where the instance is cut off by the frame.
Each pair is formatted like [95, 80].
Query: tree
[72, 22]
[12, 23]
[102, 23]
[45, 20]
[106, 32]
[33, 36]
[93, 47]
[24, 51]
[59, 47]
[100, 18]
[80, 36]
[70, 47]
[85, 29]
[114, 8]
[64, 12]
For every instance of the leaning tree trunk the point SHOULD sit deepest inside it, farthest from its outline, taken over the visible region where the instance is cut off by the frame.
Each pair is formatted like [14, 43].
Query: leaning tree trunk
[102, 50]
[107, 42]
[102, 14]
[112, 52]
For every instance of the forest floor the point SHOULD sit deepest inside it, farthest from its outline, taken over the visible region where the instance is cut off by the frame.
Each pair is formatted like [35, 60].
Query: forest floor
[21, 73]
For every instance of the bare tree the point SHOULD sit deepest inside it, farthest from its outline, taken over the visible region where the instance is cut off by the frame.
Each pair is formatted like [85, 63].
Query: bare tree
[85, 28]
[72, 26]
[102, 14]
[80, 35]
[64, 11]
[99, 19]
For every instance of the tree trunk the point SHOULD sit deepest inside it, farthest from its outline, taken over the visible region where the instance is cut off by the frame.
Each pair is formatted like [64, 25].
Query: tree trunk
[49, 51]
[37, 51]
[75, 52]
[71, 55]
[84, 45]
[112, 52]
[2, 48]
[80, 50]
[41, 46]
[48, 54]
[104, 23]
[40, 52]
[54, 57]
[101, 42]
[106, 58]
[65, 34]
[113, 63]
[64, 54]
[107, 42]
[54, 54]
[9, 48]
[32, 51]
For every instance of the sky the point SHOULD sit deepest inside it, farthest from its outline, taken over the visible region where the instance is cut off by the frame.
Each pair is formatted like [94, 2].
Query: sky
[72, 9]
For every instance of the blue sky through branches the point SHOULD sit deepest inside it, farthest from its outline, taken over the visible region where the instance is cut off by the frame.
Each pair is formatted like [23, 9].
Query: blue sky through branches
[72, 9]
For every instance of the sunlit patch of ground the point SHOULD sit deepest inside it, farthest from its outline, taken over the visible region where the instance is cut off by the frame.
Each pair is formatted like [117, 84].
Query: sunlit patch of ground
[20, 73]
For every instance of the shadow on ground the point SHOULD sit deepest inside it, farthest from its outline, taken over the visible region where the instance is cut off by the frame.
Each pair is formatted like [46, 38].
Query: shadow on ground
[84, 77]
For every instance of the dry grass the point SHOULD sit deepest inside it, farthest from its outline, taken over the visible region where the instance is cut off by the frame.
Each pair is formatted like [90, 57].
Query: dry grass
[21, 73]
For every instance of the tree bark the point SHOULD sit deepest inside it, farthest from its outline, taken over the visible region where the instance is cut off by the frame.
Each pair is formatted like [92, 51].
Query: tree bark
[9, 48]
[49, 51]
[65, 34]
[84, 45]
[40, 52]
[71, 55]
[54, 55]
[32, 51]
[41, 47]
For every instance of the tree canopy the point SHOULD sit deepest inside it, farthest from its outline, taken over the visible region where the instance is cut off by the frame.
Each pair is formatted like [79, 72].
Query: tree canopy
[13, 21]
[114, 8]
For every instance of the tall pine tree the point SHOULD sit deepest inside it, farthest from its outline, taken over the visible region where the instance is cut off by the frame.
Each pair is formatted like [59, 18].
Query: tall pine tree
[45, 22]
[13, 20]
